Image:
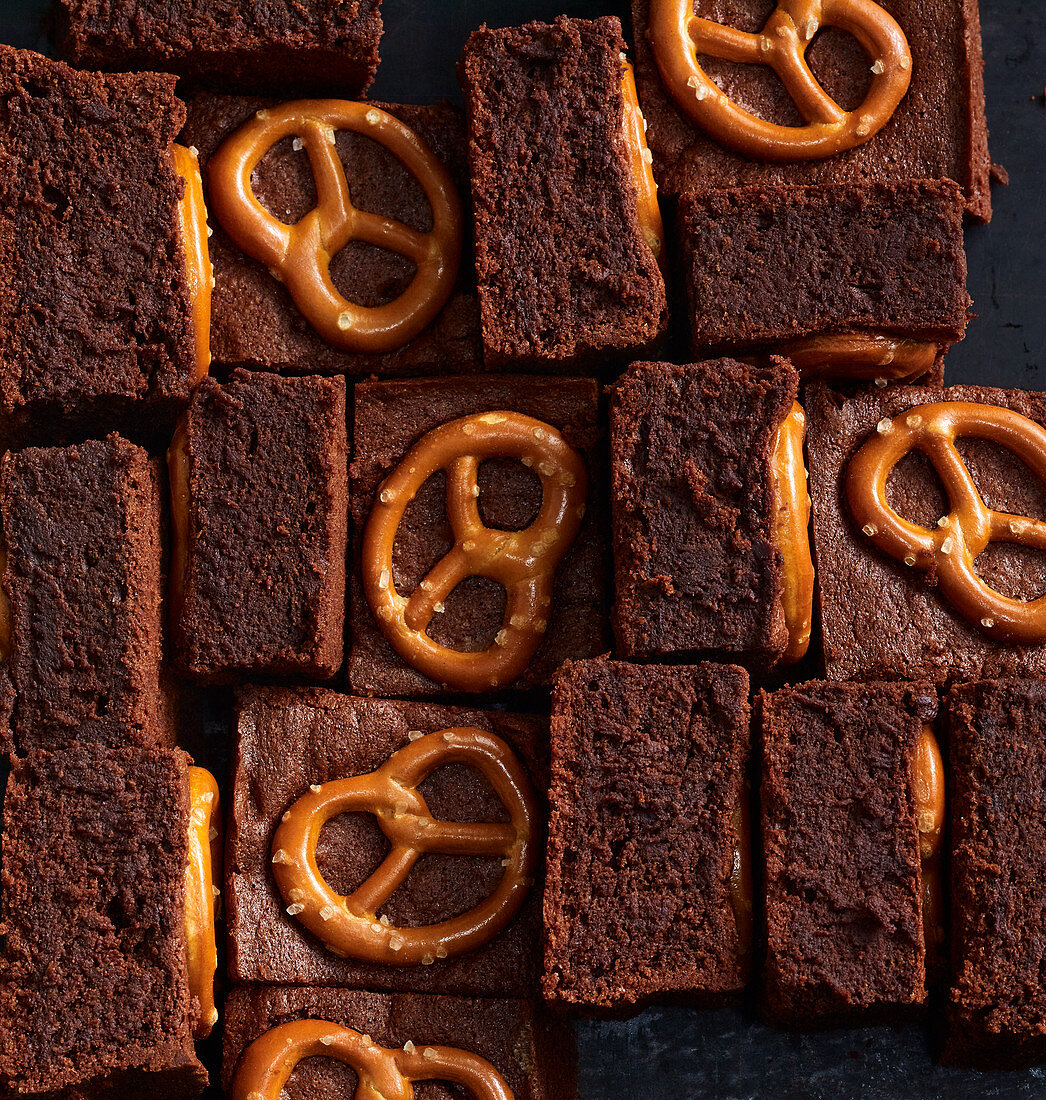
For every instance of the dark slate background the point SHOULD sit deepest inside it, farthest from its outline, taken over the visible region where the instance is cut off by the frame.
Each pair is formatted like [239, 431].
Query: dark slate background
[682, 1054]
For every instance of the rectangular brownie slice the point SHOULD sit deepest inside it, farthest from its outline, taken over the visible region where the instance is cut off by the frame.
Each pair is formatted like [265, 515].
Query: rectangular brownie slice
[289, 741]
[259, 476]
[841, 851]
[885, 619]
[566, 272]
[83, 583]
[648, 889]
[996, 1015]
[697, 564]
[95, 309]
[938, 131]
[768, 268]
[297, 45]
[94, 993]
[533, 1054]
[392, 417]
[255, 322]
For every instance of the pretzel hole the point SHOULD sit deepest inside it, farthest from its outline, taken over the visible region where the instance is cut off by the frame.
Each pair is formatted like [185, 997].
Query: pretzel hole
[351, 847]
[371, 276]
[1015, 571]
[915, 491]
[381, 183]
[319, 1076]
[1005, 482]
[841, 66]
[283, 183]
[756, 88]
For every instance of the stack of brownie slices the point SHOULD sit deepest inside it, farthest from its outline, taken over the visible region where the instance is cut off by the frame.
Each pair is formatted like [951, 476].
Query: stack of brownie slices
[349, 452]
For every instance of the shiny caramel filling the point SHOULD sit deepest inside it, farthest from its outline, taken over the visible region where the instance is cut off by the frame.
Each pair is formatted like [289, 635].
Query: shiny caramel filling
[192, 213]
[201, 899]
[178, 475]
[792, 531]
[928, 782]
[641, 161]
[6, 629]
[740, 884]
[860, 355]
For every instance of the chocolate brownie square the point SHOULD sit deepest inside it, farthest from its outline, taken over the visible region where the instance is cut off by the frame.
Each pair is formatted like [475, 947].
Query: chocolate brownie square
[875, 274]
[95, 306]
[648, 889]
[392, 417]
[94, 994]
[937, 131]
[255, 322]
[83, 585]
[533, 1054]
[698, 559]
[259, 476]
[304, 45]
[840, 808]
[881, 617]
[996, 1015]
[566, 262]
[289, 741]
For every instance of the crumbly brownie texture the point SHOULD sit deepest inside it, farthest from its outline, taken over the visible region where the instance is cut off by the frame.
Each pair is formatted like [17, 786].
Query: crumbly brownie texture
[696, 565]
[840, 840]
[764, 265]
[938, 131]
[301, 45]
[534, 1054]
[997, 1006]
[290, 739]
[84, 578]
[93, 987]
[648, 771]
[268, 517]
[879, 618]
[254, 322]
[390, 417]
[95, 316]
[564, 271]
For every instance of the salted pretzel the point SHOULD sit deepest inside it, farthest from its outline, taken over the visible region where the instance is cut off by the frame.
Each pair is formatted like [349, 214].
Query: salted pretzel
[201, 899]
[928, 776]
[349, 926]
[678, 36]
[192, 214]
[965, 532]
[641, 162]
[300, 255]
[859, 355]
[382, 1074]
[523, 561]
[792, 531]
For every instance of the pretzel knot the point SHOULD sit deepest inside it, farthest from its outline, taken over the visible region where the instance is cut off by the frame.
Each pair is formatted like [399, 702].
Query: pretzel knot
[300, 255]
[382, 1074]
[349, 926]
[677, 37]
[965, 532]
[523, 561]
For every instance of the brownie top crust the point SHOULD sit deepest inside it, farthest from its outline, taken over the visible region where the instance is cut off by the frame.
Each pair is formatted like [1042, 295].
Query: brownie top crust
[880, 618]
[695, 559]
[94, 300]
[997, 1007]
[255, 321]
[764, 265]
[94, 977]
[841, 848]
[533, 1054]
[938, 130]
[564, 270]
[289, 740]
[648, 780]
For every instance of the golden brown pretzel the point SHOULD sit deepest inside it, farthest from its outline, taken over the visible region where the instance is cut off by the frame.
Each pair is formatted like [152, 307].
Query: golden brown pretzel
[382, 1074]
[961, 536]
[523, 561]
[792, 531]
[677, 37]
[192, 214]
[300, 254]
[859, 355]
[202, 875]
[350, 926]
